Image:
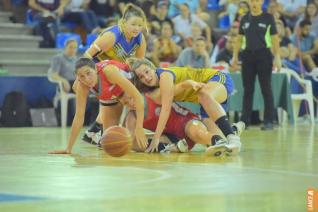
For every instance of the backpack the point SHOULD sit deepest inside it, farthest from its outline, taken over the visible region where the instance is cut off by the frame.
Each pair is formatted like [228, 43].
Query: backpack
[15, 110]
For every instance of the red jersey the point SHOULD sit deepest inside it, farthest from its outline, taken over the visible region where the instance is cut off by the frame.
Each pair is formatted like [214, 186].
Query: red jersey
[106, 92]
[179, 117]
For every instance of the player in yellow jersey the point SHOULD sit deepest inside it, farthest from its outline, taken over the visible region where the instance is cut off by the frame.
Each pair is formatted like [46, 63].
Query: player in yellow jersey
[208, 87]
[117, 43]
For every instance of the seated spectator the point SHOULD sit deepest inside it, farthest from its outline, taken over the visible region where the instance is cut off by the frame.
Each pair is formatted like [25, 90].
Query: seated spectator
[121, 5]
[186, 19]
[196, 56]
[174, 7]
[307, 43]
[231, 9]
[47, 14]
[225, 55]
[63, 65]
[243, 9]
[287, 50]
[165, 49]
[202, 11]
[149, 8]
[160, 17]
[274, 8]
[77, 11]
[291, 9]
[103, 9]
[150, 39]
[222, 41]
[311, 13]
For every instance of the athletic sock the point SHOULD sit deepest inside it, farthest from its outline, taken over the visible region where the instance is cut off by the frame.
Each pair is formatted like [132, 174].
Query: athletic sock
[224, 125]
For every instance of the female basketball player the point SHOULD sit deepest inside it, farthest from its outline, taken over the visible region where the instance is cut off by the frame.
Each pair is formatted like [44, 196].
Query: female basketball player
[217, 87]
[118, 43]
[107, 79]
[181, 124]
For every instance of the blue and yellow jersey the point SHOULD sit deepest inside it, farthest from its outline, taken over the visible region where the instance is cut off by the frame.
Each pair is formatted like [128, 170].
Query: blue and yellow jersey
[181, 74]
[121, 49]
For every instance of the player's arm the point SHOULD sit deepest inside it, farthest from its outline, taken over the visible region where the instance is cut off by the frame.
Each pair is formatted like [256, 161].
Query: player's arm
[102, 44]
[78, 121]
[185, 85]
[166, 85]
[141, 51]
[113, 74]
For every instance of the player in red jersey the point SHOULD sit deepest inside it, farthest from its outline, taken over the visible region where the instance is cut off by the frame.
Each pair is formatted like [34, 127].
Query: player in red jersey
[108, 80]
[182, 123]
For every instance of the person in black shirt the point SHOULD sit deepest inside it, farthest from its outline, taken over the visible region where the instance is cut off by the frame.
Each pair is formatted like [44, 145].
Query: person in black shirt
[257, 35]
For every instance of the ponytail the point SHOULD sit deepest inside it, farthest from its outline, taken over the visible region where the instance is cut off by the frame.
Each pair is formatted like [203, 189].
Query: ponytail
[132, 10]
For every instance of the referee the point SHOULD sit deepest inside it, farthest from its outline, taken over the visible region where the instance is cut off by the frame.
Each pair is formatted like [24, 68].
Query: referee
[257, 36]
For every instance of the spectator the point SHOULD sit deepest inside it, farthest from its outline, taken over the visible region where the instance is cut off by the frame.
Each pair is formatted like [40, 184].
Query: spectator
[186, 19]
[291, 9]
[243, 9]
[165, 49]
[220, 45]
[225, 55]
[307, 44]
[76, 11]
[150, 39]
[202, 12]
[196, 31]
[287, 50]
[103, 9]
[122, 4]
[160, 17]
[47, 14]
[63, 65]
[196, 56]
[231, 9]
[311, 14]
[174, 6]
[149, 8]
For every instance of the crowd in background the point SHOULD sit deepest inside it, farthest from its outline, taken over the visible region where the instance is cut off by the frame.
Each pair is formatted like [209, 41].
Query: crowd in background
[180, 32]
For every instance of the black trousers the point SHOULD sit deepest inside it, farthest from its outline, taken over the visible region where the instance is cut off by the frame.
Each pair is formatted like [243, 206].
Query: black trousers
[257, 63]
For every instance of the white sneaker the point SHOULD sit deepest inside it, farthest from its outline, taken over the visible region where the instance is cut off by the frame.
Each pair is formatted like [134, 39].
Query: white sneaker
[183, 146]
[92, 137]
[170, 148]
[96, 137]
[219, 149]
[240, 127]
[234, 145]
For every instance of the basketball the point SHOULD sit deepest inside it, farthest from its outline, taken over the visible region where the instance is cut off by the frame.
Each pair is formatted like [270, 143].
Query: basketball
[116, 141]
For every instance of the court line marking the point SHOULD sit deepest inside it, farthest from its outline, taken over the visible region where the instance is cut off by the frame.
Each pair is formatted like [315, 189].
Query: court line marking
[163, 175]
[233, 167]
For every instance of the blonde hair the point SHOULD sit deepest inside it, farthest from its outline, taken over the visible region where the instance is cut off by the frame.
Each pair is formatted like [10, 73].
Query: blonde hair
[132, 10]
[135, 63]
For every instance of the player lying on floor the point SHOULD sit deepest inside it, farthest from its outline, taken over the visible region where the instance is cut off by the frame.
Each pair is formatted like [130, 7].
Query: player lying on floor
[217, 88]
[182, 124]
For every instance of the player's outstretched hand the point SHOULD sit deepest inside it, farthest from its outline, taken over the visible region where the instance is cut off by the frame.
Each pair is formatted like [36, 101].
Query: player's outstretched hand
[60, 152]
[153, 147]
[141, 138]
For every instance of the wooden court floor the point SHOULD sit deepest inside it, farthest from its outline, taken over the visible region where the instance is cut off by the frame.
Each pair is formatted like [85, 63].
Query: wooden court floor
[272, 173]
